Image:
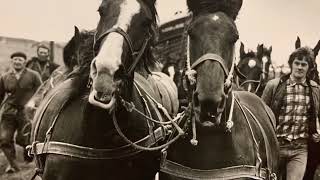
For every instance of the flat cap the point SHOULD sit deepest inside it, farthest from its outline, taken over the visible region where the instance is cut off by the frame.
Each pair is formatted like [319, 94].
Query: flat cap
[18, 54]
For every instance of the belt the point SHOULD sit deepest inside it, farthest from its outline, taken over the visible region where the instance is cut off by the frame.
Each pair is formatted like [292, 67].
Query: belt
[295, 142]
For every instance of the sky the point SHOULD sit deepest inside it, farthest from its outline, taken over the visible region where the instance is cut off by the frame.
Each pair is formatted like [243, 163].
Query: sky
[272, 22]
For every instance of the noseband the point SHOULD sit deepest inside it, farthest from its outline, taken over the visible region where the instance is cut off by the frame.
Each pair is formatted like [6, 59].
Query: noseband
[136, 55]
[215, 58]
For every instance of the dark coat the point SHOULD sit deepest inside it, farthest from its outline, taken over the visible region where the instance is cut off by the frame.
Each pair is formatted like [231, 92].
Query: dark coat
[18, 92]
[44, 70]
[273, 95]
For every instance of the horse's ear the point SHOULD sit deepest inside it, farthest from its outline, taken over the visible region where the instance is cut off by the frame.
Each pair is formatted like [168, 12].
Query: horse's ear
[76, 35]
[242, 53]
[260, 50]
[298, 43]
[316, 49]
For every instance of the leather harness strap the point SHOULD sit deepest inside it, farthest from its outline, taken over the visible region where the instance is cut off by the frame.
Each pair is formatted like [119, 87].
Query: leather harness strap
[66, 149]
[265, 138]
[212, 57]
[232, 172]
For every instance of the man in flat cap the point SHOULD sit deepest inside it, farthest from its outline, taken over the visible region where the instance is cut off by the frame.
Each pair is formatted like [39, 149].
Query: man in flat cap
[16, 88]
[42, 64]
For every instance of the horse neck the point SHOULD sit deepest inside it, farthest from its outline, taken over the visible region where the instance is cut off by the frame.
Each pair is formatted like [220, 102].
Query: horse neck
[218, 147]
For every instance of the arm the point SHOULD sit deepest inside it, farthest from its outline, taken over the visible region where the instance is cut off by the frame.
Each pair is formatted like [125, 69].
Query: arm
[37, 81]
[268, 93]
[37, 96]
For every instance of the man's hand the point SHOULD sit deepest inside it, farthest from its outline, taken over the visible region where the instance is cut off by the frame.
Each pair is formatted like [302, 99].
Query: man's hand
[316, 137]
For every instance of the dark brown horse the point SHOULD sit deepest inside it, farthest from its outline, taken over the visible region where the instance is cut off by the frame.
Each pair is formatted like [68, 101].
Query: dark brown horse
[77, 139]
[255, 66]
[230, 133]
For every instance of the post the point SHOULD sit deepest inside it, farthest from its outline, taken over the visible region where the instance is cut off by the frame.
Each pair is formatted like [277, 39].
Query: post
[51, 51]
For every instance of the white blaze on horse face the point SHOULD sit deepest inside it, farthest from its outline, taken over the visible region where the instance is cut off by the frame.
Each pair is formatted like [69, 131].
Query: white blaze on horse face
[111, 50]
[264, 64]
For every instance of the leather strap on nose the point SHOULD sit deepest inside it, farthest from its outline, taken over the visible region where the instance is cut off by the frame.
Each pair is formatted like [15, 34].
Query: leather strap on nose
[117, 30]
[211, 57]
[136, 55]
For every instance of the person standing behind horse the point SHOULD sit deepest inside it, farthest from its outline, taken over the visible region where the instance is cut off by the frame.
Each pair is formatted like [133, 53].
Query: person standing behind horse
[294, 99]
[16, 88]
[42, 64]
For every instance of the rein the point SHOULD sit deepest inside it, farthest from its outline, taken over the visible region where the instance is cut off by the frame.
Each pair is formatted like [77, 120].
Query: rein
[166, 126]
[259, 82]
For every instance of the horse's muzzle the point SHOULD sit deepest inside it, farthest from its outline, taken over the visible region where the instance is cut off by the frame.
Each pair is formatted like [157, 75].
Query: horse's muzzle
[102, 100]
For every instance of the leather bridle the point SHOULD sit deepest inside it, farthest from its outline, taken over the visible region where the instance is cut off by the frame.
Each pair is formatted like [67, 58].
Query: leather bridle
[136, 55]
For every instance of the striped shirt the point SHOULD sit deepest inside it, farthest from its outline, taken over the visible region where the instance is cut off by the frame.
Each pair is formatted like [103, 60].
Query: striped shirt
[293, 115]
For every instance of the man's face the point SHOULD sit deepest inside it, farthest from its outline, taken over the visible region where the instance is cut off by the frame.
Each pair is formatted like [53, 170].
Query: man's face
[300, 68]
[18, 63]
[43, 54]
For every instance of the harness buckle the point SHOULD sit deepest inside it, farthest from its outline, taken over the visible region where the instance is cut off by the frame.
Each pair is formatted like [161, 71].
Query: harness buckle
[273, 176]
[163, 157]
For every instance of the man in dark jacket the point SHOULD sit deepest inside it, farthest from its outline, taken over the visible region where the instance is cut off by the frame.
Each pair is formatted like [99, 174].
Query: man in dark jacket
[42, 64]
[294, 99]
[16, 88]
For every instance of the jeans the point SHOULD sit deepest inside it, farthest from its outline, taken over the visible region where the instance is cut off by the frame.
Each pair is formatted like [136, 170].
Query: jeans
[293, 160]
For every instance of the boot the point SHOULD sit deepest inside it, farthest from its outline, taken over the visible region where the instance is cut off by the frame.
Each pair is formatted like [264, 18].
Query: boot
[11, 157]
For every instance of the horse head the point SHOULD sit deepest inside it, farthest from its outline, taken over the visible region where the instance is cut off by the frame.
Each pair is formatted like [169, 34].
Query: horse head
[255, 66]
[212, 36]
[76, 51]
[314, 74]
[122, 45]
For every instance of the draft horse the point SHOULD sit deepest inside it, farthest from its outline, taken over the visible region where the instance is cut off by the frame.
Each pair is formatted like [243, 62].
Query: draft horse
[230, 134]
[106, 126]
[255, 67]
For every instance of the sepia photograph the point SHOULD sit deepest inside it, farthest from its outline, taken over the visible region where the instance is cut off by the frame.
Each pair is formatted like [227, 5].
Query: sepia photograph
[159, 90]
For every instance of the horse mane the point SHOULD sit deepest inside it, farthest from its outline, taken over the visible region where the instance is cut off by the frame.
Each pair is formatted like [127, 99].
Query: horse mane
[85, 56]
[229, 7]
[149, 58]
